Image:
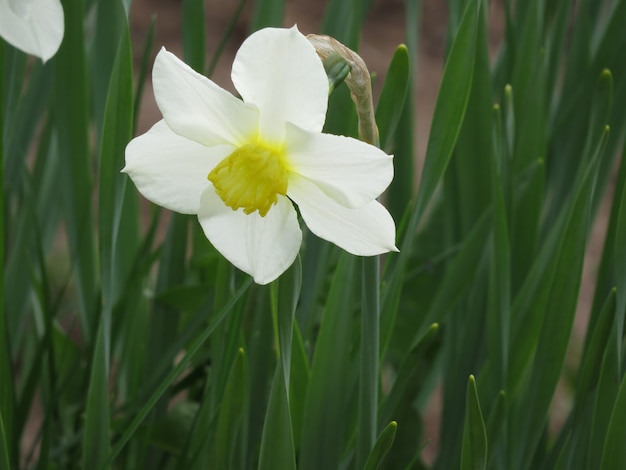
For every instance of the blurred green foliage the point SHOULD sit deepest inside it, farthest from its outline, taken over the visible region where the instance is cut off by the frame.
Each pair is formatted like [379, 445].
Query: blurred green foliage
[127, 341]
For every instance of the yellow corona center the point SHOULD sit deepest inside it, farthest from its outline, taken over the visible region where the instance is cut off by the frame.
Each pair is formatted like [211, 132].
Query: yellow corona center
[250, 178]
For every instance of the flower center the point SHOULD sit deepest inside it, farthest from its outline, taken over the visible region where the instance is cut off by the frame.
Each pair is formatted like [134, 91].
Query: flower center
[250, 178]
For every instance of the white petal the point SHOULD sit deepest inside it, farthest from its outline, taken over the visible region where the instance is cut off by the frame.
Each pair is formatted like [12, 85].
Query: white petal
[279, 71]
[22, 8]
[367, 231]
[169, 170]
[198, 109]
[351, 172]
[263, 247]
[35, 27]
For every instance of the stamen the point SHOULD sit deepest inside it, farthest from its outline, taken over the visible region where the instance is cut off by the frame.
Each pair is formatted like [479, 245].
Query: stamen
[250, 178]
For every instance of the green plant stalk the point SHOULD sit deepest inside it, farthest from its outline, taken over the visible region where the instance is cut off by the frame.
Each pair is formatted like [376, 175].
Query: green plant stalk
[370, 301]
[370, 338]
[6, 388]
[358, 81]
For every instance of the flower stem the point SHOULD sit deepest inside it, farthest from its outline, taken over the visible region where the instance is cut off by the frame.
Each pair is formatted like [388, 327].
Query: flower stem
[370, 337]
[359, 83]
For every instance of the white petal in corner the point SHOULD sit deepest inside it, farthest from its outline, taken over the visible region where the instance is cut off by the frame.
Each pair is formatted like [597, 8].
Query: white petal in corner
[36, 29]
[169, 170]
[349, 171]
[367, 231]
[198, 109]
[263, 247]
[279, 71]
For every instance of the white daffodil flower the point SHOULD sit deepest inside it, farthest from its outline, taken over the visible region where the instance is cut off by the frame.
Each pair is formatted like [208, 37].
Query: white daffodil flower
[33, 26]
[241, 165]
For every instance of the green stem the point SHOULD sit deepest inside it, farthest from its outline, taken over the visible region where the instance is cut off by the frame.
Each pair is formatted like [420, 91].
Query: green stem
[370, 336]
[359, 82]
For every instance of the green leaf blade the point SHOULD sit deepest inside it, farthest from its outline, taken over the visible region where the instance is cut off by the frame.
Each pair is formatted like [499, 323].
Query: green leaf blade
[381, 447]
[474, 450]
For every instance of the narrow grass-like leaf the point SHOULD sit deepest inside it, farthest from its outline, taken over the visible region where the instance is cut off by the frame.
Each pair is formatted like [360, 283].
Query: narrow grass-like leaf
[410, 376]
[401, 190]
[277, 442]
[14, 72]
[116, 132]
[262, 352]
[175, 372]
[592, 360]
[232, 410]
[588, 378]
[620, 262]
[109, 26]
[447, 119]
[465, 329]
[6, 374]
[194, 36]
[614, 450]
[197, 451]
[71, 123]
[528, 81]
[299, 382]
[450, 109]
[606, 281]
[393, 97]
[325, 420]
[143, 69]
[316, 262]
[555, 38]
[382, 447]
[20, 129]
[495, 425]
[288, 295]
[459, 275]
[277, 445]
[558, 318]
[500, 276]
[96, 439]
[232, 23]
[164, 319]
[605, 396]
[474, 452]
[343, 21]
[4, 449]
[531, 302]
[170, 430]
[267, 13]
[471, 160]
